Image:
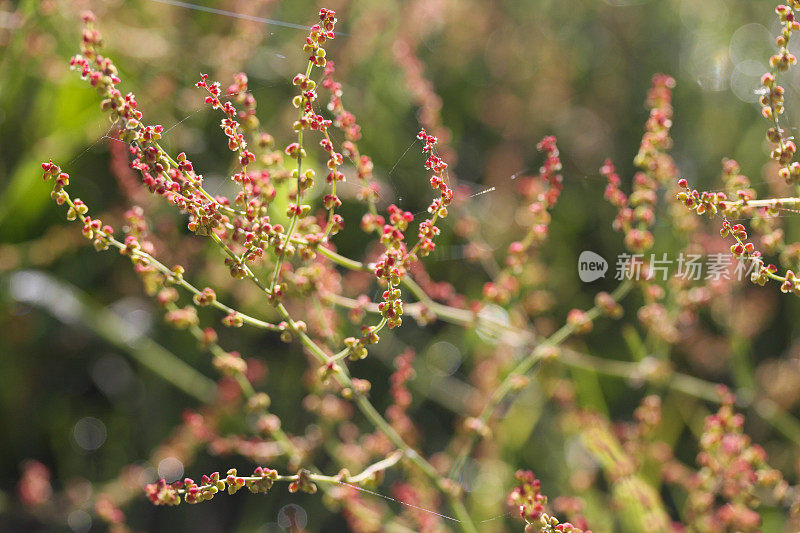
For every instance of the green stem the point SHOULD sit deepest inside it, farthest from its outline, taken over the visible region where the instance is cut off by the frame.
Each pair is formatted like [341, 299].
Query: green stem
[372, 414]
[295, 216]
[524, 366]
[388, 462]
[163, 363]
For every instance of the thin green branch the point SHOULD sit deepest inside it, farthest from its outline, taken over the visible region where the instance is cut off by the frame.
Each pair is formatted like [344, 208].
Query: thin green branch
[525, 366]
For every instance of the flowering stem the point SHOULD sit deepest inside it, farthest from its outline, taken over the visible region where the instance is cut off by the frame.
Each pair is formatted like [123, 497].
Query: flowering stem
[419, 242]
[331, 211]
[452, 315]
[296, 214]
[388, 462]
[526, 365]
[196, 183]
[372, 414]
[178, 280]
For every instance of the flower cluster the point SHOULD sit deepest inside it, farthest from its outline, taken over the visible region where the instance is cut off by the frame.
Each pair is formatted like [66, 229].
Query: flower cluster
[393, 265]
[772, 99]
[541, 204]
[717, 203]
[438, 207]
[542, 193]
[528, 498]
[163, 493]
[342, 118]
[652, 157]
[396, 413]
[102, 74]
[229, 124]
[739, 201]
[734, 477]
[240, 93]
[636, 213]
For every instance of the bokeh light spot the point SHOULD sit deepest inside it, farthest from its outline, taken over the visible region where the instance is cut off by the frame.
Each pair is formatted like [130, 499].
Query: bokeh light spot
[89, 433]
[171, 469]
[293, 517]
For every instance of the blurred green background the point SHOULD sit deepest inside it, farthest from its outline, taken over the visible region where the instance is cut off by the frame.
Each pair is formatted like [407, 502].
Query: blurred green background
[507, 73]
